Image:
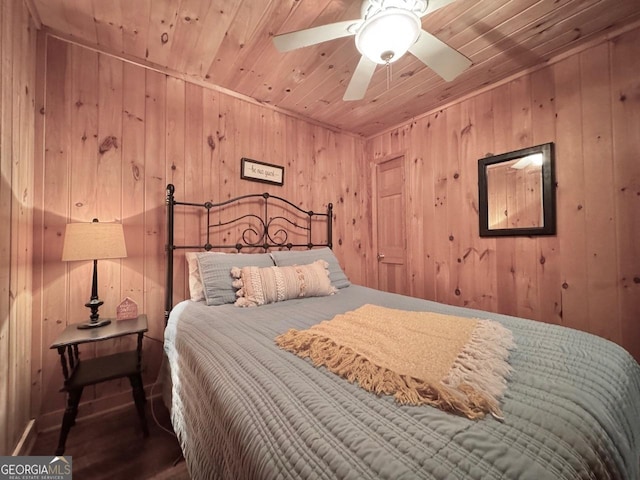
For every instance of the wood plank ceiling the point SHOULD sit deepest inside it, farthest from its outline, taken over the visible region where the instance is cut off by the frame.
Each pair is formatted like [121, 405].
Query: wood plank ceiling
[228, 44]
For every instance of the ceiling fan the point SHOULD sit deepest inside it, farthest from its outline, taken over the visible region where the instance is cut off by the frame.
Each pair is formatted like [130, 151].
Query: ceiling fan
[386, 31]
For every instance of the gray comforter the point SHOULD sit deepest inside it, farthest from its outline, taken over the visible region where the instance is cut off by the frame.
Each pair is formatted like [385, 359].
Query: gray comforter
[244, 409]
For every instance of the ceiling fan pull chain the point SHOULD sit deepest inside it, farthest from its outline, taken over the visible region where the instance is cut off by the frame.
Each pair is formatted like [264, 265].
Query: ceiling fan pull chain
[386, 57]
[388, 69]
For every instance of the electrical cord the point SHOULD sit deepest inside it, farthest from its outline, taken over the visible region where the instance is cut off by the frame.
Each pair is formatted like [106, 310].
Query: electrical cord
[153, 385]
[153, 413]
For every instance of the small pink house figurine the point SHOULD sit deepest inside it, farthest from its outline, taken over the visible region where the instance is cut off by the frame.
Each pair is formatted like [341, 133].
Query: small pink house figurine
[127, 309]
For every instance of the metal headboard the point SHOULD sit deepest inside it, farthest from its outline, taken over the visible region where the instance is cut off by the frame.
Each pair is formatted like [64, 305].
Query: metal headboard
[265, 229]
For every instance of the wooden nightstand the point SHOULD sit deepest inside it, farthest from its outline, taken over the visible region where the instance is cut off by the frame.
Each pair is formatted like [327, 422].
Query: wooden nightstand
[79, 374]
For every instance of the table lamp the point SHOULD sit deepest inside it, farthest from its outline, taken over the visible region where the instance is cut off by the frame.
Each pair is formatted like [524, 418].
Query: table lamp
[93, 241]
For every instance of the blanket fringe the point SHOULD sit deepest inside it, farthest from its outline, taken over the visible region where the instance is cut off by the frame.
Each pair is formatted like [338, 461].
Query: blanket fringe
[467, 390]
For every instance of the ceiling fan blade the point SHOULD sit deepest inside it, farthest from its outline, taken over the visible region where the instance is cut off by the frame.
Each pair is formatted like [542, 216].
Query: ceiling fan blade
[360, 79]
[311, 36]
[439, 57]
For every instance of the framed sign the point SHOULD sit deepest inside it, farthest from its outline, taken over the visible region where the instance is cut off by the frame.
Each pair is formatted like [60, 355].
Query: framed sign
[261, 172]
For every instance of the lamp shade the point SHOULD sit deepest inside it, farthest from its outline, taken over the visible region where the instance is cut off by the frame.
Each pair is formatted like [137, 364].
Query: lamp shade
[387, 35]
[93, 241]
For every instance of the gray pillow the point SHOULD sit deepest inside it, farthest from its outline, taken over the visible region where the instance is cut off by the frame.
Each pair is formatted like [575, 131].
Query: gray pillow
[215, 272]
[284, 258]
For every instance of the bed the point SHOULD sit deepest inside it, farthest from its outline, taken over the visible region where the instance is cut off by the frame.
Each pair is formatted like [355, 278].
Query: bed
[244, 408]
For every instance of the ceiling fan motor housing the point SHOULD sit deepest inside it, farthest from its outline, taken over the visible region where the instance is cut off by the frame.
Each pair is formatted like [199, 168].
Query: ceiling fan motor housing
[371, 7]
[389, 29]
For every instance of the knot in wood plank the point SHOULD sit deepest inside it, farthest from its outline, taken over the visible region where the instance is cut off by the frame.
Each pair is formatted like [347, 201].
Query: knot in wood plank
[109, 142]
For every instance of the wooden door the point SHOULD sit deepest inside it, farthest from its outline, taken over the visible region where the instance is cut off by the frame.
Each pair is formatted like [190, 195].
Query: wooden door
[390, 223]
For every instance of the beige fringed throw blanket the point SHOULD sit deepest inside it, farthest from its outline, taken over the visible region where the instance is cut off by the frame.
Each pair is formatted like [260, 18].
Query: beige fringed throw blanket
[456, 364]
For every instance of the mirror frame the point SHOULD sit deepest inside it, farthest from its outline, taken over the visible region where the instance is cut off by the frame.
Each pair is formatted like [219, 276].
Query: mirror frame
[548, 192]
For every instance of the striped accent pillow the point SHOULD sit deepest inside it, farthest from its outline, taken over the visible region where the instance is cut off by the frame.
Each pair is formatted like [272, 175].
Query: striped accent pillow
[259, 286]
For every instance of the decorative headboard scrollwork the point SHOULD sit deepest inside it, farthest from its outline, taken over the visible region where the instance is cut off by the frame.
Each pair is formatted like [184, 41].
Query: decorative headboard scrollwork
[257, 227]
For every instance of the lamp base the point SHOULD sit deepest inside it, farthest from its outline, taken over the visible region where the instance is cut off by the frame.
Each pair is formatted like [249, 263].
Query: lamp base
[91, 324]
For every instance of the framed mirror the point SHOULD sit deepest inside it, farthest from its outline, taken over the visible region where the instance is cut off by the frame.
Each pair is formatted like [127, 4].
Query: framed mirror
[517, 193]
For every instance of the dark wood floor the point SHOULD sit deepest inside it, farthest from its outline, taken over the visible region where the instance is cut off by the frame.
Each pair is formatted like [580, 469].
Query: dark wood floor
[112, 447]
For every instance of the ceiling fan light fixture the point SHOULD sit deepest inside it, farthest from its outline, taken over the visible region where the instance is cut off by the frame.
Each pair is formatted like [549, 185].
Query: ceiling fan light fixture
[388, 35]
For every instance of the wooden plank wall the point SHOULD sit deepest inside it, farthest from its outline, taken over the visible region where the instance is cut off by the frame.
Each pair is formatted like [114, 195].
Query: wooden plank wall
[588, 275]
[114, 135]
[17, 87]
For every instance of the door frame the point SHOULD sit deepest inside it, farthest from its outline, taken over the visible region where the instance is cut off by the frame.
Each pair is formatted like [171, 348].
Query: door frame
[374, 209]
